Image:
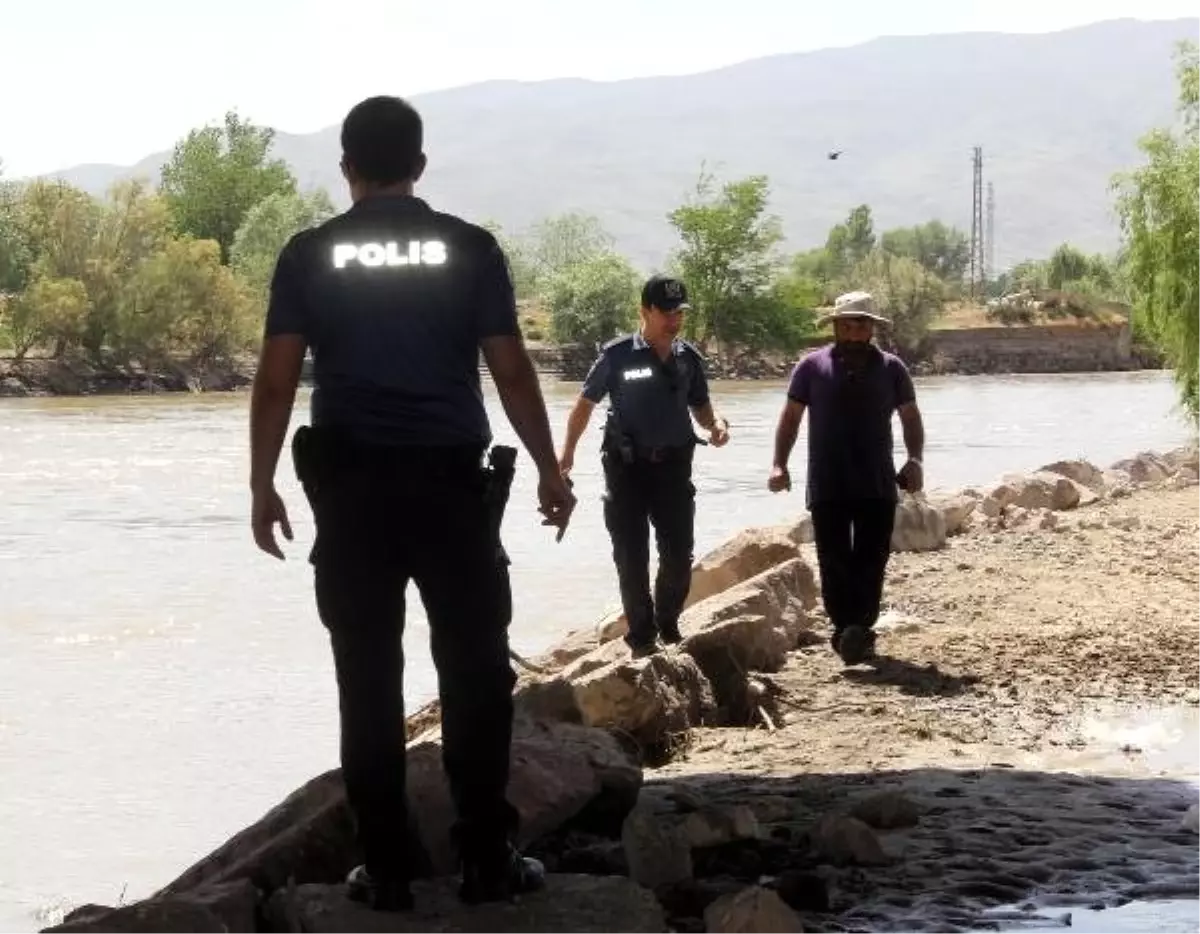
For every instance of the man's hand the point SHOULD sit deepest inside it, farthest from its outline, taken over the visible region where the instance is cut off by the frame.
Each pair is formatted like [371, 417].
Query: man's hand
[718, 435]
[779, 480]
[555, 501]
[566, 461]
[912, 477]
[265, 510]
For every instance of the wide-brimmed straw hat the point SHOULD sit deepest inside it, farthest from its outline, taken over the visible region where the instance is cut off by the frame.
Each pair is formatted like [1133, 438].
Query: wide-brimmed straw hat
[854, 305]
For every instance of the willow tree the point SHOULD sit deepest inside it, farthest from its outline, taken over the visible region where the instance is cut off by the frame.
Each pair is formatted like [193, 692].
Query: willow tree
[1159, 205]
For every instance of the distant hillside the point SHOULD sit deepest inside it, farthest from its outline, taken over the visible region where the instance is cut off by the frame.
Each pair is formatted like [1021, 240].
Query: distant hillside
[1056, 115]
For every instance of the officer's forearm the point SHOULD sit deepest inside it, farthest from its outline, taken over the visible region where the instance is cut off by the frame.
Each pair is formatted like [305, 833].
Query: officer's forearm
[517, 383]
[270, 412]
[577, 423]
[706, 417]
[785, 436]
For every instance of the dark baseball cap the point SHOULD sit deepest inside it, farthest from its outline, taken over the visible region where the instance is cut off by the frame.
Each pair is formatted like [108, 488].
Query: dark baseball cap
[666, 293]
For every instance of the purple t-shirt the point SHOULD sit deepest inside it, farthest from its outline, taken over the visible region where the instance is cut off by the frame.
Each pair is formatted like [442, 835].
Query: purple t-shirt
[850, 422]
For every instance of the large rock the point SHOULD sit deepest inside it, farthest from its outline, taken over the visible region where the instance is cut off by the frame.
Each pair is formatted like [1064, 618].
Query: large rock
[1146, 467]
[649, 698]
[657, 851]
[918, 527]
[230, 906]
[744, 556]
[568, 903]
[557, 770]
[752, 909]
[1184, 458]
[956, 510]
[1041, 490]
[1082, 472]
[848, 841]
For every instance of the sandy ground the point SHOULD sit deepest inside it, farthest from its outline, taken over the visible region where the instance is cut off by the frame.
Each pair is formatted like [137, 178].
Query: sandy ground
[1001, 658]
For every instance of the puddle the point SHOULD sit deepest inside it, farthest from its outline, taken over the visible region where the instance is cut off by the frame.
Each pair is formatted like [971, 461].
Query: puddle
[1161, 742]
[1175, 916]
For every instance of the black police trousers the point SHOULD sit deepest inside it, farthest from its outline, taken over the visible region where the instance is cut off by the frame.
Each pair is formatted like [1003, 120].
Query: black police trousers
[854, 542]
[637, 494]
[382, 520]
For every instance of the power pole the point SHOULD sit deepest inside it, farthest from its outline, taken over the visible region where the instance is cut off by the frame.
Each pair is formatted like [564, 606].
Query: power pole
[977, 270]
[990, 240]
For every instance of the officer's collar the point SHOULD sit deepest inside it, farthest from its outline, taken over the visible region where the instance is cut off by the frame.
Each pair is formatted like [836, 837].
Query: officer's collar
[640, 343]
[370, 202]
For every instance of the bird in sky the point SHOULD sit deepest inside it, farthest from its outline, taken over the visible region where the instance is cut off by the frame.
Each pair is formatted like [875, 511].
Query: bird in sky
[835, 153]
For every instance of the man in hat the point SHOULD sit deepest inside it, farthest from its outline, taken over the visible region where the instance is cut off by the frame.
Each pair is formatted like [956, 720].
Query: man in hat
[851, 388]
[655, 385]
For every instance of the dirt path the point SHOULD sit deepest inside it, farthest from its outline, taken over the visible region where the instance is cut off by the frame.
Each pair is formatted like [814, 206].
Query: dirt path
[996, 655]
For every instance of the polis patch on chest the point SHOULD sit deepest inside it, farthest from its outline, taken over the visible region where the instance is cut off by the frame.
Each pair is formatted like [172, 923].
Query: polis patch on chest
[389, 254]
[642, 372]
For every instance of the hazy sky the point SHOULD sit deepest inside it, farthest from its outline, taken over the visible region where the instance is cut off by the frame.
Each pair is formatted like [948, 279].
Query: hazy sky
[113, 81]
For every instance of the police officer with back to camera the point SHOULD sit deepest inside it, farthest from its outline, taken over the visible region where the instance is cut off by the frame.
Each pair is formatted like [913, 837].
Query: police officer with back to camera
[395, 301]
[652, 380]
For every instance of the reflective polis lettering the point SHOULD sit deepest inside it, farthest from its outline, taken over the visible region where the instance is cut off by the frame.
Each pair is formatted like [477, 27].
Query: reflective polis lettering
[373, 255]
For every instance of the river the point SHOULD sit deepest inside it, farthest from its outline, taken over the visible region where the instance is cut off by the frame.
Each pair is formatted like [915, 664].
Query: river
[162, 683]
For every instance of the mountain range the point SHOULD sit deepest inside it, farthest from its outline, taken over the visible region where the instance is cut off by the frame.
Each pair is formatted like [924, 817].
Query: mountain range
[1056, 115]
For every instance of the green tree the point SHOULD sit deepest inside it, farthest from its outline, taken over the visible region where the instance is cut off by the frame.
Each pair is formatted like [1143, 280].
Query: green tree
[520, 265]
[849, 242]
[944, 251]
[217, 174]
[1158, 206]
[183, 301]
[905, 291]
[557, 243]
[728, 258]
[592, 300]
[268, 226]
[48, 311]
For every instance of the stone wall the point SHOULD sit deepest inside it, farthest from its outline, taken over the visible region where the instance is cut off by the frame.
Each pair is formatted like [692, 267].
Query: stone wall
[1028, 349]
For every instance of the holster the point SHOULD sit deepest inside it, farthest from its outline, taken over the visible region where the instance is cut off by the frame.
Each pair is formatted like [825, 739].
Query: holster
[501, 468]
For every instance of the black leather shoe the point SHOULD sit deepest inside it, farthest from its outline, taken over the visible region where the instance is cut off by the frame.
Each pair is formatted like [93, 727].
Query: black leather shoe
[857, 644]
[501, 880]
[670, 635]
[379, 895]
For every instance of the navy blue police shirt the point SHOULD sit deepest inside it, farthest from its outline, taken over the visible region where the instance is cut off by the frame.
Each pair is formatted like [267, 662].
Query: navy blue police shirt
[648, 398]
[394, 298]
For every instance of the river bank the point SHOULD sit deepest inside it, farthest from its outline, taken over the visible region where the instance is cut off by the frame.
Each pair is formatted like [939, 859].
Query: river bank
[1021, 618]
[1058, 348]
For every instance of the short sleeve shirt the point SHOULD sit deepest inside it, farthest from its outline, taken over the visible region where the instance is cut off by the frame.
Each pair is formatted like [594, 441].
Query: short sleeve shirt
[393, 299]
[850, 422]
[649, 398]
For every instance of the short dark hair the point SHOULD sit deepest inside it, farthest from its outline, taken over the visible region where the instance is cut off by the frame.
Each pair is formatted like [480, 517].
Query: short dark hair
[382, 139]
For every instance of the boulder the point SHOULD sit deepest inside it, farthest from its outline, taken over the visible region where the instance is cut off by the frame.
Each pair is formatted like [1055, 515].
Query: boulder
[802, 532]
[781, 594]
[744, 556]
[557, 770]
[229, 906]
[649, 698]
[1042, 490]
[575, 644]
[1146, 467]
[918, 527]
[886, 810]
[718, 824]
[1186, 457]
[847, 840]
[752, 909]
[956, 510]
[657, 851]
[568, 903]
[1082, 472]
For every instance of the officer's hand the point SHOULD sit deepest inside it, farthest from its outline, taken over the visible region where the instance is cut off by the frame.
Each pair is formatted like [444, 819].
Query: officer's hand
[265, 510]
[779, 480]
[719, 435]
[913, 476]
[555, 501]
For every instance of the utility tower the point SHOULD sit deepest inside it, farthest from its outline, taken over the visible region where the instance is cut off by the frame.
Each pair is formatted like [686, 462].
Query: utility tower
[990, 240]
[977, 269]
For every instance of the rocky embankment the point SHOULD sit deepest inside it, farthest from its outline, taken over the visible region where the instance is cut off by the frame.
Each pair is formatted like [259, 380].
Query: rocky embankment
[748, 781]
[76, 376]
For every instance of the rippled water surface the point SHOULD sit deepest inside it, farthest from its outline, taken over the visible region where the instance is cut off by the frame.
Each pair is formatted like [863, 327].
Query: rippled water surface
[162, 683]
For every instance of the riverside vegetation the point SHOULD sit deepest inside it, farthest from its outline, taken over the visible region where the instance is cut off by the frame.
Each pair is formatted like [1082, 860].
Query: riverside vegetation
[749, 781]
[167, 287]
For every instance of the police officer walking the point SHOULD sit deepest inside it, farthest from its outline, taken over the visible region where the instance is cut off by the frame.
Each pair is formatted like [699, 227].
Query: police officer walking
[396, 300]
[851, 388]
[652, 379]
